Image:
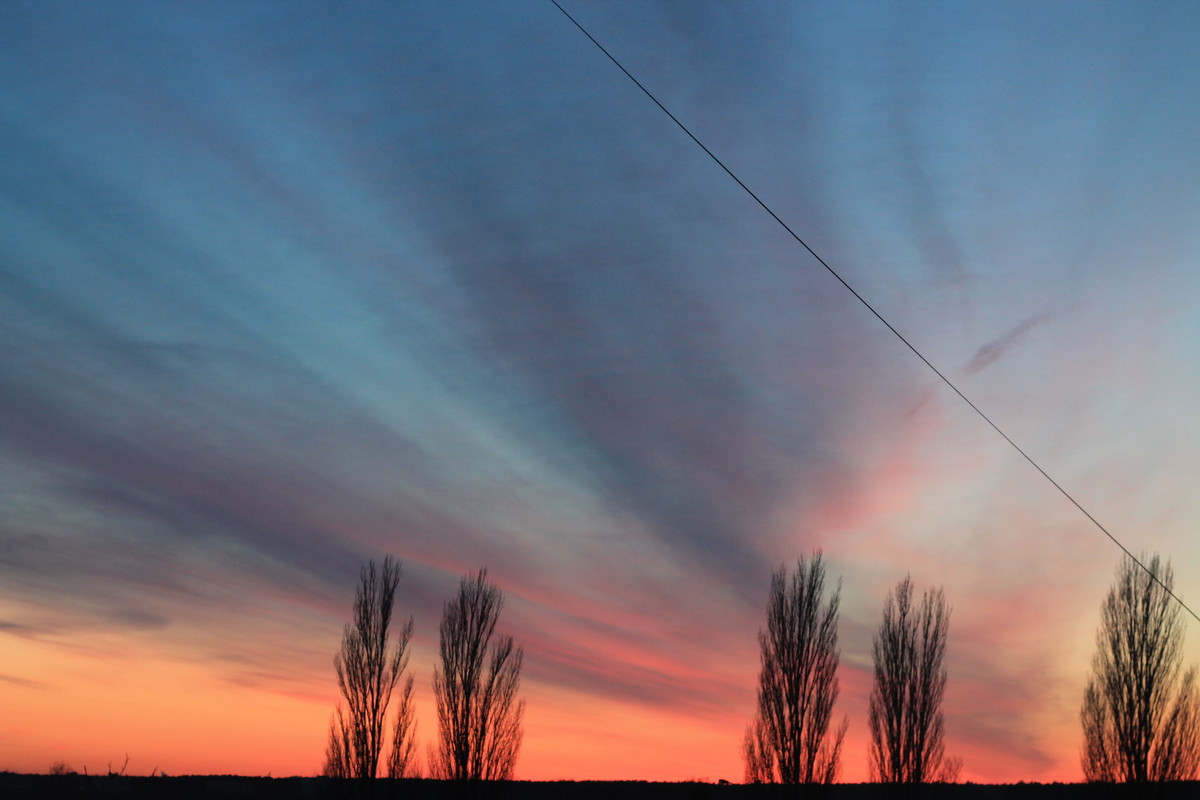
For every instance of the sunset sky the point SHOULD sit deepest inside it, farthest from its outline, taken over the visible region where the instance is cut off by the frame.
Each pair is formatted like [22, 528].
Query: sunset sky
[288, 286]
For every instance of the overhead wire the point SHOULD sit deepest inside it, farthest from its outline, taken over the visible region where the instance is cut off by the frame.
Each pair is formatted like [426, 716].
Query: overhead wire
[876, 313]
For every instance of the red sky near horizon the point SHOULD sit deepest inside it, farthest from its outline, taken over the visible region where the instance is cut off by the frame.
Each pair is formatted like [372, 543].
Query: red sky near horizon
[104, 695]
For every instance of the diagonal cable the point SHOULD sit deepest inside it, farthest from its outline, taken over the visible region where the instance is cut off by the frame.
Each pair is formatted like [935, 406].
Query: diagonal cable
[878, 316]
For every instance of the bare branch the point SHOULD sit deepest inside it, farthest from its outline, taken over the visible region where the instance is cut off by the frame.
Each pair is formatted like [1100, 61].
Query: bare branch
[402, 761]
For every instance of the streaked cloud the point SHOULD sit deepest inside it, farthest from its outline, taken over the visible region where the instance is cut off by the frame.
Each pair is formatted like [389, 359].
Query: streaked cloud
[988, 353]
[280, 293]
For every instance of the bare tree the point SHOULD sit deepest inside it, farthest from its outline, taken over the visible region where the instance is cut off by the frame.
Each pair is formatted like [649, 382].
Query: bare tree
[1141, 718]
[479, 713]
[367, 672]
[789, 740]
[905, 712]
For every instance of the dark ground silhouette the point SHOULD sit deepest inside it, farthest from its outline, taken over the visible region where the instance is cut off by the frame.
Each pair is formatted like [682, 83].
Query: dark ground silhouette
[217, 788]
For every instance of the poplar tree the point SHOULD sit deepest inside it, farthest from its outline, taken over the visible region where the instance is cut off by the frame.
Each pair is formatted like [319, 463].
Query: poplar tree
[368, 668]
[905, 711]
[790, 740]
[1141, 710]
[475, 686]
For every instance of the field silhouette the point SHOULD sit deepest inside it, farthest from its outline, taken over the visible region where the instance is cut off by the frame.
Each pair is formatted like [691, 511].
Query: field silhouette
[220, 787]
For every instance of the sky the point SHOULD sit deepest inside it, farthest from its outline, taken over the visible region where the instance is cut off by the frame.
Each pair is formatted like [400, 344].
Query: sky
[285, 287]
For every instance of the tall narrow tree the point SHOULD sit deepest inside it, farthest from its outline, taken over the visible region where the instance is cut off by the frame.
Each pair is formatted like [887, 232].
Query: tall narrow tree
[790, 740]
[475, 686]
[368, 669]
[905, 712]
[1141, 712]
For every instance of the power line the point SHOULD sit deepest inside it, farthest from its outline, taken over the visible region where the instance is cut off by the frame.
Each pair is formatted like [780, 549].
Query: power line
[871, 308]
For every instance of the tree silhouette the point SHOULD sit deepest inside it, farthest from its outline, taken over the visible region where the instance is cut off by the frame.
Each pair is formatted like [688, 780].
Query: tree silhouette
[402, 759]
[1141, 719]
[479, 713]
[789, 740]
[905, 712]
[367, 673]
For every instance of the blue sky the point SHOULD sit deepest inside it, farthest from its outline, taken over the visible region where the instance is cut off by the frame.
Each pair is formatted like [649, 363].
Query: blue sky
[284, 287]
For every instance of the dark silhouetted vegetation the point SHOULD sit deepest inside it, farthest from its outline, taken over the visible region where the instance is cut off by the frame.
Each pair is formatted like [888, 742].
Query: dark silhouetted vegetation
[479, 713]
[1141, 712]
[402, 759]
[790, 740]
[368, 669]
[221, 787]
[905, 712]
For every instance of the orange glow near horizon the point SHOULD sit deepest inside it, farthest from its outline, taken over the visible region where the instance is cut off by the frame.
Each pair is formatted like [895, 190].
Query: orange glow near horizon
[94, 708]
[90, 708]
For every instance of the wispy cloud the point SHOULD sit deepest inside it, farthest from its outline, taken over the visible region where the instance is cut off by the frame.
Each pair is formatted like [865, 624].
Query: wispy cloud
[280, 293]
[25, 683]
[992, 351]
